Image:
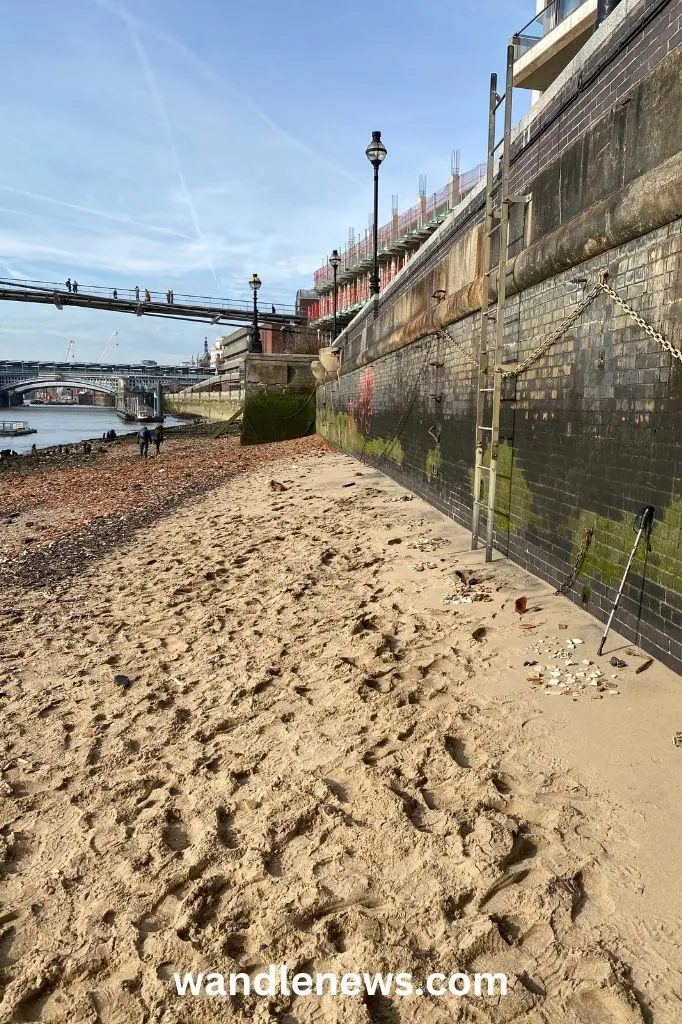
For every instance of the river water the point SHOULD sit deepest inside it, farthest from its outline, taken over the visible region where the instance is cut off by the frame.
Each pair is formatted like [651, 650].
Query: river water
[66, 424]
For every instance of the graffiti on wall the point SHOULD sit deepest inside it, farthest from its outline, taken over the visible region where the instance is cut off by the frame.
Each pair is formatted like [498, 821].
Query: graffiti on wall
[360, 409]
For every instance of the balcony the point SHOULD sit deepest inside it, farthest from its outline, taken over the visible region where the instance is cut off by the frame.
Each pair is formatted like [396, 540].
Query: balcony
[551, 40]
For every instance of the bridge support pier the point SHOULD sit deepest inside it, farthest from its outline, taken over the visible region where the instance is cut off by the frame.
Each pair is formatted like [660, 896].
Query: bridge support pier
[9, 399]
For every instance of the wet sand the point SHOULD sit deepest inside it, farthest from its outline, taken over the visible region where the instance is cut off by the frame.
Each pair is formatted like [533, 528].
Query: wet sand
[322, 762]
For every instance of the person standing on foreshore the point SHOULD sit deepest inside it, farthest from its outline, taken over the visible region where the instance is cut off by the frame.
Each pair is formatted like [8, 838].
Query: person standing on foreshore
[143, 440]
[157, 438]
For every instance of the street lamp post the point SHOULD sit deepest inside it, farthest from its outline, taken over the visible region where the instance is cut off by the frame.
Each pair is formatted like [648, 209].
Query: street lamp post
[335, 263]
[376, 154]
[256, 345]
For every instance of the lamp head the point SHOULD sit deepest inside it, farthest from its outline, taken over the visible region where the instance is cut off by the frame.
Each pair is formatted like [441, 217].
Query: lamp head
[255, 282]
[376, 151]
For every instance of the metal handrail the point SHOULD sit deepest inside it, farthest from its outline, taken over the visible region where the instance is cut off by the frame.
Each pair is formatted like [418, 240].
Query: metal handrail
[556, 9]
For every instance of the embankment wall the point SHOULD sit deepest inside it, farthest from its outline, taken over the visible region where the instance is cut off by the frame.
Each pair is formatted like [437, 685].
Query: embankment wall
[590, 431]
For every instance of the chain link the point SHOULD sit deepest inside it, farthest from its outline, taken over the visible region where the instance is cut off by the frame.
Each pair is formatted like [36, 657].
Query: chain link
[546, 345]
[577, 565]
[601, 286]
[647, 328]
[445, 335]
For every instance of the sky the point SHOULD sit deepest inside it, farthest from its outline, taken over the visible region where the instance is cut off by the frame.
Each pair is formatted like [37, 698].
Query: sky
[173, 145]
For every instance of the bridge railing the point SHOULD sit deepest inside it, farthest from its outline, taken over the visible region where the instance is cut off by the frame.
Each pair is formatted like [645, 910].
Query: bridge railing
[34, 366]
[157, 298]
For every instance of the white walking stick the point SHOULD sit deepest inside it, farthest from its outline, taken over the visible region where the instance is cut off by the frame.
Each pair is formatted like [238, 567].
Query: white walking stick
[642, 525]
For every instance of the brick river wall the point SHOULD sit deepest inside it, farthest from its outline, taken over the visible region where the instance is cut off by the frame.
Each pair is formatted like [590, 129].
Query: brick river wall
[590, 433]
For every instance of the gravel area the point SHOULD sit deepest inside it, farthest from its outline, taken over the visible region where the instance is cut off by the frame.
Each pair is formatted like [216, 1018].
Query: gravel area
[55, 519]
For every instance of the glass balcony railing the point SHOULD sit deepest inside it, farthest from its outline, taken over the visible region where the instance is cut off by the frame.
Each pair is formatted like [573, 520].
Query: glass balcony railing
[543, 23]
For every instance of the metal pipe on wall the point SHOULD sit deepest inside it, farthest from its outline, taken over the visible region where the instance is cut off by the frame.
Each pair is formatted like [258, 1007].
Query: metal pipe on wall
[604, 8]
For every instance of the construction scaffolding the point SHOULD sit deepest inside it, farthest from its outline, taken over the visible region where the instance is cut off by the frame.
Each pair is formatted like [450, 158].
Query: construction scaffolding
[397, 241]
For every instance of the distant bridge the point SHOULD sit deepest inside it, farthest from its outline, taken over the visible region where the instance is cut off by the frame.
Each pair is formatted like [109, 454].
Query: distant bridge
[193, 308]
[33, 375]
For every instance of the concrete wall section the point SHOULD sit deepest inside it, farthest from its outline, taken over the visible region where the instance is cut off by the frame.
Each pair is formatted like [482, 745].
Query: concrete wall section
[216, 405]
[280, 398]
[279, 370]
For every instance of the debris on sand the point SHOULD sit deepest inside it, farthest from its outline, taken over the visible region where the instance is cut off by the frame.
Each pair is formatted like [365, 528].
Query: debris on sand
[470, 587]
[426, 543]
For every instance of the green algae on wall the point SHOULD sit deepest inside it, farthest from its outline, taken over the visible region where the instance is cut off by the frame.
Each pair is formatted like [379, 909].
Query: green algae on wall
[277, 416]
[612, 541]
[340, 429]
[513, 496]
[432, 468]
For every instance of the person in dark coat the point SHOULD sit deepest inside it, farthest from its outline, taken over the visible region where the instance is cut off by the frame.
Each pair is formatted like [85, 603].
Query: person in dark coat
[157, 438]
[143, 441]
[68, 284]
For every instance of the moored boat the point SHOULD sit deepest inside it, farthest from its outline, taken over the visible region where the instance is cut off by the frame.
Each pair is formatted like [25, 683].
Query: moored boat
[15, 428]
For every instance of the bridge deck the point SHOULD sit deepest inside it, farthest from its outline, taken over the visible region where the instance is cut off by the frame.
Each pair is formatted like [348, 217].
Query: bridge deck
[199, 308]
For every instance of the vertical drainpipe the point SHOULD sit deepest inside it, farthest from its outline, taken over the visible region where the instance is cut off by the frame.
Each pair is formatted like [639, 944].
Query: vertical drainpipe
[604, 8]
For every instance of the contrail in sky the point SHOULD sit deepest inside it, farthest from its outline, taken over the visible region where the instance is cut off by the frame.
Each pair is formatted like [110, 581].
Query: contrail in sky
[119, 218]
[208, 72]
[152, 83]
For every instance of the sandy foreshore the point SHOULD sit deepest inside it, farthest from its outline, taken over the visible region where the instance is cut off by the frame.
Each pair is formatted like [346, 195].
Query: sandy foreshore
[326, 758]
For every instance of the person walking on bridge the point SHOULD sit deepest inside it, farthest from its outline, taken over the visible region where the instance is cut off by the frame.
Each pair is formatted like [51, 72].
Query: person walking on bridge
[74, 287]
[147, 296]
[172, 296]
[68, 284]
[137, 293]
[143, 441]
[168, 297]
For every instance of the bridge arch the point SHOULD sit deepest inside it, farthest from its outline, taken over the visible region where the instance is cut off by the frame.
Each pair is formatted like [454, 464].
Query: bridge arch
[38, 383]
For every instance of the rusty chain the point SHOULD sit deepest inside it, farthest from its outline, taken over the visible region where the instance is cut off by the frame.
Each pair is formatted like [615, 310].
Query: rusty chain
[577, 565]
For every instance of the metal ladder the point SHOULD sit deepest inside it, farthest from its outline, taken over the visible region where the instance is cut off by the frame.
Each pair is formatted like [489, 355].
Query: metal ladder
[490, 377]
